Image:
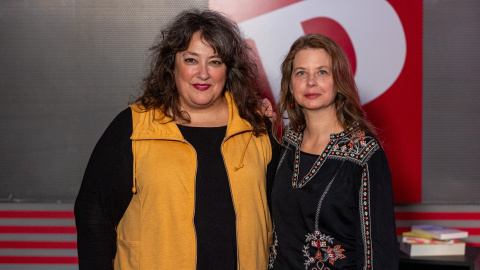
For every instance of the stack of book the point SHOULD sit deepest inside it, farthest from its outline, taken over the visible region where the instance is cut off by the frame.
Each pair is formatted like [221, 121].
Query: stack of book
[430, 240]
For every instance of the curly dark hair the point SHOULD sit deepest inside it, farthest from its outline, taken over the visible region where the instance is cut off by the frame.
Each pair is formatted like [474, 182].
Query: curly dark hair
[224, 36]
[347, 101]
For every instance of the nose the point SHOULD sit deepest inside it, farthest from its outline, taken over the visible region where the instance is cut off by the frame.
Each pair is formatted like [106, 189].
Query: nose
[203, 72]
[311, 81]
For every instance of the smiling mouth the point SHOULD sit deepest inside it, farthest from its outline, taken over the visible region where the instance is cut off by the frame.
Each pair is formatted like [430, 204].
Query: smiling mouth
[201, 87]
[312, 95]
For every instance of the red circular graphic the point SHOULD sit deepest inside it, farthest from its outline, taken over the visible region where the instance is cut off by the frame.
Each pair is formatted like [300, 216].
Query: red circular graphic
[333, 30]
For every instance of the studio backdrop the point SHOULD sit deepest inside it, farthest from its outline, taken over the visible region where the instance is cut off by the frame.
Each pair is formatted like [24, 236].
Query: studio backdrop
[67, 67]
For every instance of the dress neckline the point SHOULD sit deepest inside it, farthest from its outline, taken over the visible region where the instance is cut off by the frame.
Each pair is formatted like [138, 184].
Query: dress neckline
[298, 183]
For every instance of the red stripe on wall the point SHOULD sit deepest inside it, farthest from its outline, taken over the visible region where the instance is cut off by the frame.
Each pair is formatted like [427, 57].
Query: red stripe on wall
[37, 214]
[38, 229]
[436, 216]
[38, 260]
[401, 230]
[38, 245]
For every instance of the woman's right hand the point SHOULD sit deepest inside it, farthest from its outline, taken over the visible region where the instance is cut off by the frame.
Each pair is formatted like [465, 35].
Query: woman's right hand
[267, 109]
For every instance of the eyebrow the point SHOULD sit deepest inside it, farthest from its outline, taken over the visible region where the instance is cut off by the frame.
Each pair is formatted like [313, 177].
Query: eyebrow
[319, 67]
[196, 54]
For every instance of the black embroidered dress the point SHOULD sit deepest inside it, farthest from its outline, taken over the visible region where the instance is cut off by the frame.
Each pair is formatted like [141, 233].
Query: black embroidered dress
[334, 210]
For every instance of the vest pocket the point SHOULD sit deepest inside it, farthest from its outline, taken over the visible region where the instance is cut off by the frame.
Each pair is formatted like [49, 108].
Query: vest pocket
[128, 254]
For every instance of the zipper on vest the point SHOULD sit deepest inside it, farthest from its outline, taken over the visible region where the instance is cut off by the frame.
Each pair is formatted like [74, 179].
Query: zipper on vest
[194, 201]
[233, 202]
[194, 197]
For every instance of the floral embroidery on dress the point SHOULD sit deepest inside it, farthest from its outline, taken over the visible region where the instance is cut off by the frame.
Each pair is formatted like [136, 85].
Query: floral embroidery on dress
[365, 217]
[356, 147]
[325, 248]
[325, 252]
[273, 248]
[353, 145]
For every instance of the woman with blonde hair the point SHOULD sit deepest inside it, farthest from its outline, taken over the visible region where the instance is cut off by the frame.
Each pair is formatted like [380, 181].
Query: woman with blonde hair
[332, 199]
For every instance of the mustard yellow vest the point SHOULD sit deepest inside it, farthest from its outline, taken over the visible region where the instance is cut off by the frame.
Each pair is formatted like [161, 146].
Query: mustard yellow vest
[157, 229]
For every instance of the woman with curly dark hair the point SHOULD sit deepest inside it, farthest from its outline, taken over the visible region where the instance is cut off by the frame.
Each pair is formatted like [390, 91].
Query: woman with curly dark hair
[332, 201]
[179, 179]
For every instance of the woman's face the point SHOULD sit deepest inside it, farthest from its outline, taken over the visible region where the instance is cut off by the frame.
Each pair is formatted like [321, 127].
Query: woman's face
[200, 75]
[312, 79]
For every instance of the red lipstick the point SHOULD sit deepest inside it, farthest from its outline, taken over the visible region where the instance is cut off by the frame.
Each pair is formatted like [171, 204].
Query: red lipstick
[201, 87]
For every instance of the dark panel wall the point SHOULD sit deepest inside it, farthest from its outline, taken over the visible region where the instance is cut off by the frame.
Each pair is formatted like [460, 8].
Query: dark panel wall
[451, 102]
[66, 69]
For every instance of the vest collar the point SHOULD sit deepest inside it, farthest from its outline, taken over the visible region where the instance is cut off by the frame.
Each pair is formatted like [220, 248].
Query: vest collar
[147, 128]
